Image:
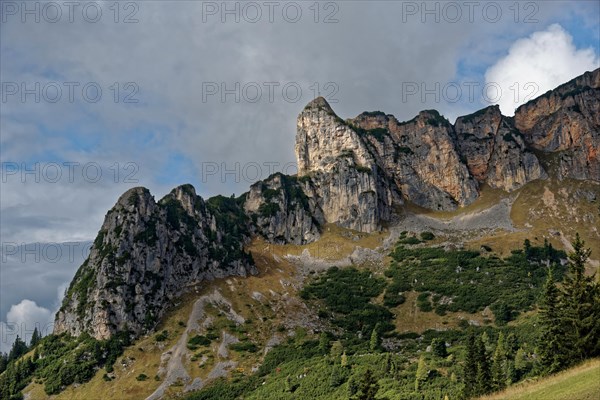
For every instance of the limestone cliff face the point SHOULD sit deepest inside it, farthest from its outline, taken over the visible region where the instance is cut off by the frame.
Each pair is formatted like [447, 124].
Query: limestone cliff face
[420, 157]
[341, 174]
[566, 121]
[145, 255]
[282, 212]
[495, 152]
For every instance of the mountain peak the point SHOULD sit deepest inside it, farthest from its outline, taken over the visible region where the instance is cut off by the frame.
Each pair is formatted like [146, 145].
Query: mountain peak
[319, 103]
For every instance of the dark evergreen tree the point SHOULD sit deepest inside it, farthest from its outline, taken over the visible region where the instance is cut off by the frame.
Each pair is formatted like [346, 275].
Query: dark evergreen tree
[324, 343]
[548, 250]
[552, 344]
[374, 342]
[438, 347]
[338, 376]
[527, 248]
[3, 362]
[512, 346]
[500, 364]
[368, 387]
[470, 367]
[580, 305]
[35, 338]
[18, 349]
[484, 374]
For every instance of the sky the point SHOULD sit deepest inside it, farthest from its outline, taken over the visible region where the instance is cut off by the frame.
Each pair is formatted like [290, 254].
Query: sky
[100, 97]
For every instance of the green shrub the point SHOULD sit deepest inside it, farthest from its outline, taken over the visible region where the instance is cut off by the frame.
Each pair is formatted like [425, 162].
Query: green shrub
[347, 293]
[244, 346]
[427, 236]
[197, 341]
[472, 281]
[141, 377]
[409, 240]
[162, 336]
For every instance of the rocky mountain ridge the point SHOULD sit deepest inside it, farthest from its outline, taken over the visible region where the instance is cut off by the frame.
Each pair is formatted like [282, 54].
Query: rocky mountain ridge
[144, 256]
[354, 173]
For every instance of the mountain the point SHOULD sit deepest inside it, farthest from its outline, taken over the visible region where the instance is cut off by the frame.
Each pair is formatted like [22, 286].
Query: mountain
[370, 270]
[356, 174]
[565, 122]
[146, 254]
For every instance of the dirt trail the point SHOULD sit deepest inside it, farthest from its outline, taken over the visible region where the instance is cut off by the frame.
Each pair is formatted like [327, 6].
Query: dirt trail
[492, 218]
[174, 370]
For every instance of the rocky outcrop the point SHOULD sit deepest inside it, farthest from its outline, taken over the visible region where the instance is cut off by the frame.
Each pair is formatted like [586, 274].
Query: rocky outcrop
[419, 157]
[145, 255]
[566, 121]
[282, 212]
[341, 174]
[495, 152]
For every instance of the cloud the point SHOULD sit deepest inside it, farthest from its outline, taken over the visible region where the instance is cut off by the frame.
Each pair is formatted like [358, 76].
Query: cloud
[535, 65]
[22, 319]
[48, 267]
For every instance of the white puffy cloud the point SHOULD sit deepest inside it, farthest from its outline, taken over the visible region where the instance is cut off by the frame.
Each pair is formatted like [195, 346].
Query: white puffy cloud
[535, 65]
[21, 320]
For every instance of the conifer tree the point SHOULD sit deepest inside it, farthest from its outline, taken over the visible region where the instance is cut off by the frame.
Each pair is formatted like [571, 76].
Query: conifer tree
[324, 343]
[552, 345]
[3, 362]
[470, 367]
[438, 347]
[521, 362]
[581, 310]
[422, 373]
[484, 375]
[374, 343]
[35, 338]
[368, 387]
[18, 349]
[499, 364]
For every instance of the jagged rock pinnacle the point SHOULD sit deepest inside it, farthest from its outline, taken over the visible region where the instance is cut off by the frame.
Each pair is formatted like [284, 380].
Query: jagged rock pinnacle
[319, 103]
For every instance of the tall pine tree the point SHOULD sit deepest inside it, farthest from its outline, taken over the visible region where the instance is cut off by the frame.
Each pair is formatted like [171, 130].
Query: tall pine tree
[422, 373]
[484, 374]
[470, 367]
[35, 338]
[374, 342]
[499, 364]
[580, 305]
[18, 349]
[552, 345]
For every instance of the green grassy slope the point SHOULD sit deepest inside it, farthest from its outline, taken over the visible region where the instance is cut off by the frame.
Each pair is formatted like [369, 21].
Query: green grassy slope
[578, 383]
